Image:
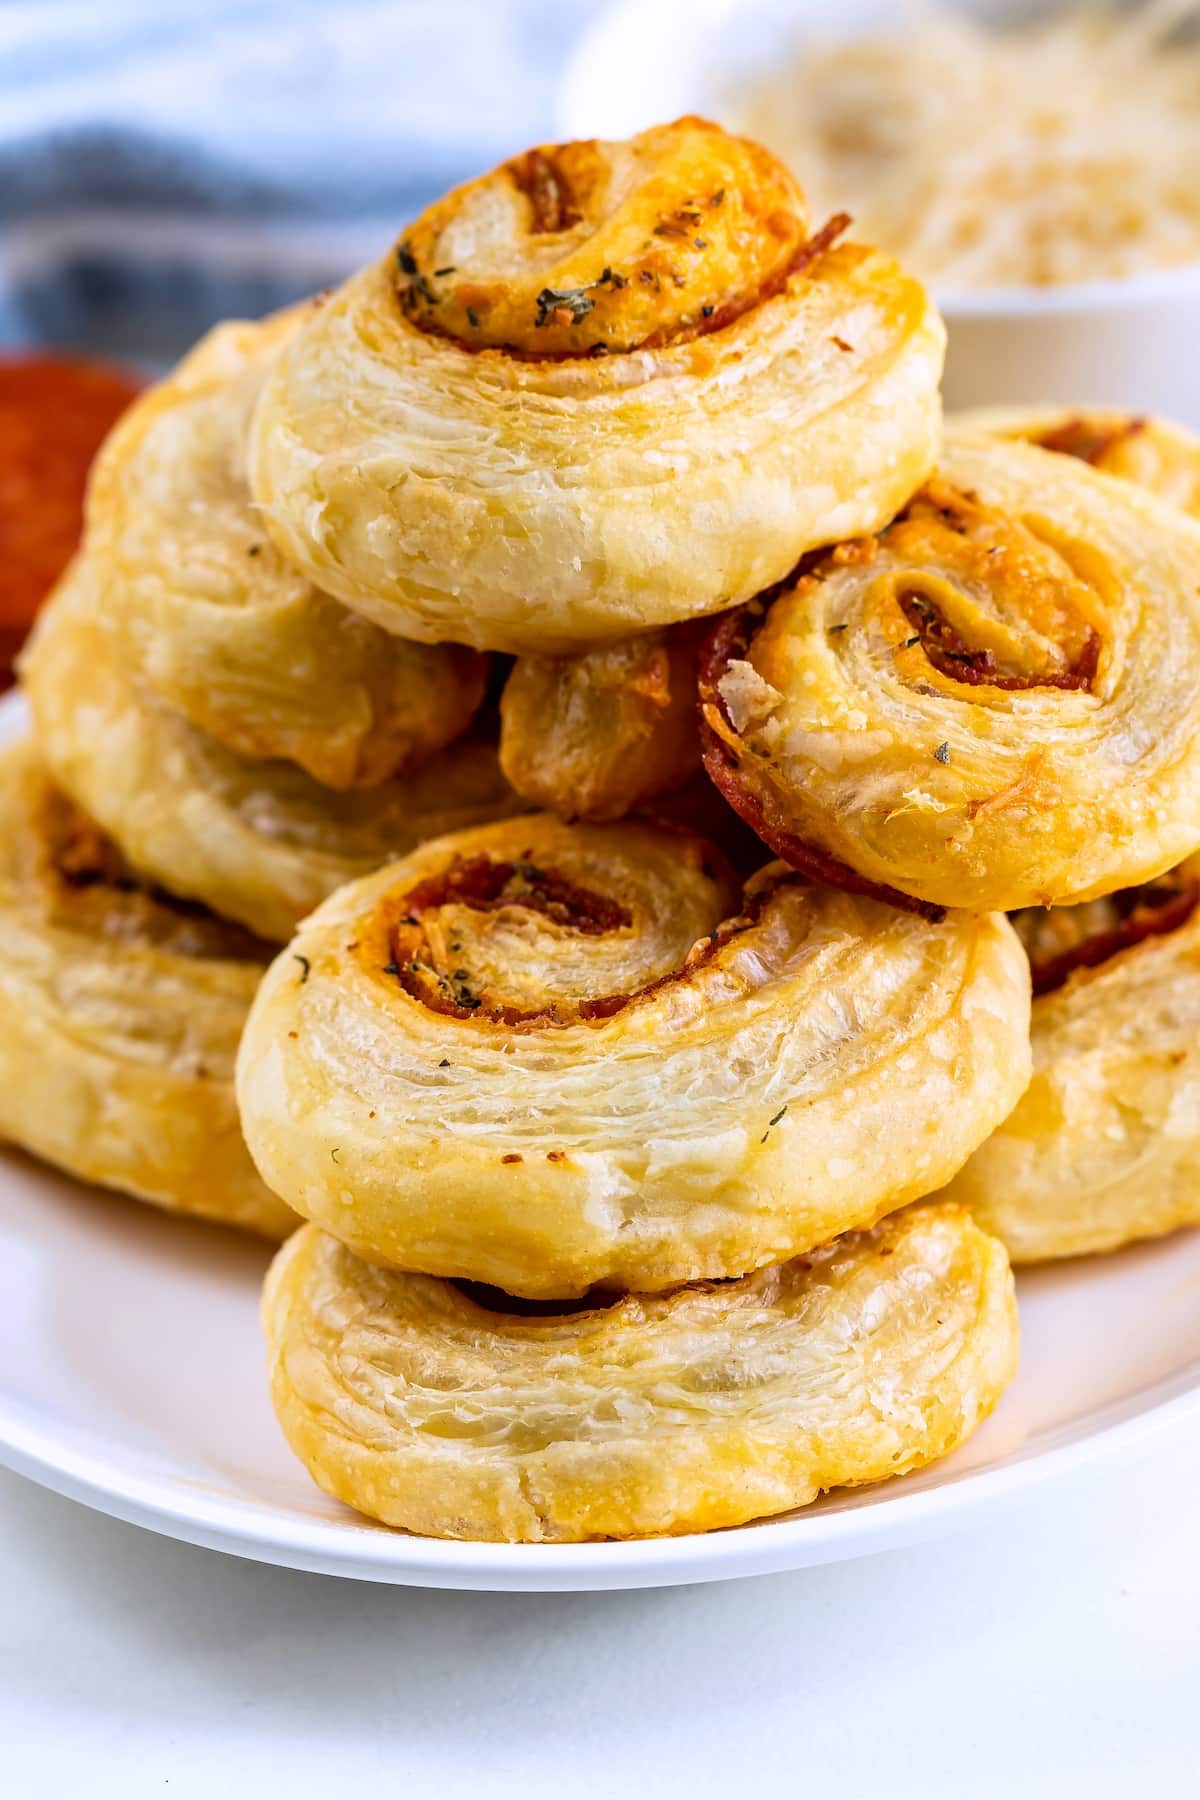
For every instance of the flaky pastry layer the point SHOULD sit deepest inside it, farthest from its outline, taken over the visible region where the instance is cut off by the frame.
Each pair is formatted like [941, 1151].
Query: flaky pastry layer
[212, 617]
[549, 1056]
[1103, 1148]
[995, 701]
[710, 399]
[257, 841]
[120, 1012]
[598, 735]
[425, 1408]
[1154, 453]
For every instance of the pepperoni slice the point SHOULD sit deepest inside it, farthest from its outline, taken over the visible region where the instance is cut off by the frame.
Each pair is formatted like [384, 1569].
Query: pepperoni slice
[54, 413]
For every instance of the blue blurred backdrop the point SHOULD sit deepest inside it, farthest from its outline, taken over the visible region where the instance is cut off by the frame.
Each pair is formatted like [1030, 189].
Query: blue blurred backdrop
[162, 166]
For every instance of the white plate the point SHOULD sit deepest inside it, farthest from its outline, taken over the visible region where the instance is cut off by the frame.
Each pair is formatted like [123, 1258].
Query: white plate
[131, 1378]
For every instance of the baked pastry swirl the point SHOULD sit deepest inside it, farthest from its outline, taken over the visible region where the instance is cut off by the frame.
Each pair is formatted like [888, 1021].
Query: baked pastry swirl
[451, 1414]
[550, 1057]
[606, 387]
[218, 624]
[1104, 1145]
[260, 842]
[120, 1012]
[993, 702]
[1154, 453]
[596, 736]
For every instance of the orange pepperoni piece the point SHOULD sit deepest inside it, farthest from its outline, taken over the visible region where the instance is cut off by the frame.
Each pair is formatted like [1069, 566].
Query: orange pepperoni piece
[54, 413]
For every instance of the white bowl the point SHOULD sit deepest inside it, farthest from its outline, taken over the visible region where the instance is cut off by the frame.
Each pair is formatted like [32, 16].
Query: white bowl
[1123, 343]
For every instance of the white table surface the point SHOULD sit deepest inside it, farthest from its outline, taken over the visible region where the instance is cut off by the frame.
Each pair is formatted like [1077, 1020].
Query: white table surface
[1055, 1651]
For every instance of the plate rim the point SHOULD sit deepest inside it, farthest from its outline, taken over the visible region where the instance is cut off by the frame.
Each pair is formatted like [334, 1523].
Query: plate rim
[369, 1552]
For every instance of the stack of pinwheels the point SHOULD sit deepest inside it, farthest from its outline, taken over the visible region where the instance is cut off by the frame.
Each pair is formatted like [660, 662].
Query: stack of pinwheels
[731, 844]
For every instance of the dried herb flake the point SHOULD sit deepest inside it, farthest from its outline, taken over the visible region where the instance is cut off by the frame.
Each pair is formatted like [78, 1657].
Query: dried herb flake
[575, 301]
[773, 1122]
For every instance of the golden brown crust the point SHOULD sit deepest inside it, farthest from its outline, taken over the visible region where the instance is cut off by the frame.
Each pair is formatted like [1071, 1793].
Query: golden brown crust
[993, 702]
[748, 786]
[217, 623]
[697, 1409]
[536, 500]
[550, 1056]
[601, 734]
[1104, 1146]
[257, 841]
[1156, 454]
[573, 249]
[120, 1011]
[1060, 940]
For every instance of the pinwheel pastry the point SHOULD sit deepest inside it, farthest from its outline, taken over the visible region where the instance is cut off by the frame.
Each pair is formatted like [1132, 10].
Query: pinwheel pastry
[260, 842]
[1104, 1146]
[994, 702]
[1155, 453]
[215, 621]
[549, 1056]
[120, 1012]
[597, 735]
[457, 1414]
[606, 387]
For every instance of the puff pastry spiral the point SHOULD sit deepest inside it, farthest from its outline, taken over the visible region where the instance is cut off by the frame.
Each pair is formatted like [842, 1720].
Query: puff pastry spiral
[1104, 1145]
[549, 1056]
[260, 842]
[120, 1011]
[596, 736]
[1155, 453]
[606, 387]
[427, 1408]
[993, 702]
[214, 619]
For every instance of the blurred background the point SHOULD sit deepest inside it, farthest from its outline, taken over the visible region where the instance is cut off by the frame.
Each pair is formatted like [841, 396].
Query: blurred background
[163, 166]
[166, 165]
